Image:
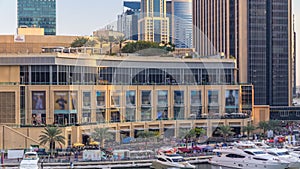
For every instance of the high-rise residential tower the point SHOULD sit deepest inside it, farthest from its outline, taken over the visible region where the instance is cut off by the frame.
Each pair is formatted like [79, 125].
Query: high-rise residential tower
[38, 13]
[258, 33]
[182, 23]
[154, 23]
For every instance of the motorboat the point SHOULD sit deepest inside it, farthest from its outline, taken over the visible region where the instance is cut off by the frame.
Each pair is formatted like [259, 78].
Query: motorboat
[171, 161]
[246, 159]
[285, 155]
[30, 161]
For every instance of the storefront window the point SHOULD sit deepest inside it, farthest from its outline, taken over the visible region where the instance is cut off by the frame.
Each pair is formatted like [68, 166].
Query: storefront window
[231, 101]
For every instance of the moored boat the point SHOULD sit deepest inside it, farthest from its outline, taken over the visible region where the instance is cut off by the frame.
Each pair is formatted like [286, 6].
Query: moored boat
[171, 161]
[246, 159]
[30, 161]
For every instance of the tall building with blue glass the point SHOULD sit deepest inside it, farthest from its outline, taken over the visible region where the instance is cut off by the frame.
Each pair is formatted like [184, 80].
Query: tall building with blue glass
[38, 13]
[182, 23]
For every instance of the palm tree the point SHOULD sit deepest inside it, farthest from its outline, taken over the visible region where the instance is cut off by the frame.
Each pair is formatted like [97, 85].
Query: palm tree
[274, 125]
[102, 134]
[111, 40]
[120, 40]
[225, 131]
[249, 128]
[188, 135]
[146, 135]
[52, 135]
[263, 125]
[102, 39]
[79, 42]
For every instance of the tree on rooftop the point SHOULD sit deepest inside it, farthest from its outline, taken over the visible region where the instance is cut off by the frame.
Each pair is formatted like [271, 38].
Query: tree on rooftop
[79, 42]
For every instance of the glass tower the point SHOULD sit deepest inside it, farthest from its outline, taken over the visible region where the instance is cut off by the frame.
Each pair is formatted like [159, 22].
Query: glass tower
[269, 55]
[38, 13]
[182, 20]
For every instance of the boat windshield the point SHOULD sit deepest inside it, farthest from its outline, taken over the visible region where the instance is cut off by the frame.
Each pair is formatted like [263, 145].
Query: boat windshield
[283, 153]
[30, 157]
[178, 160]
[259, 152]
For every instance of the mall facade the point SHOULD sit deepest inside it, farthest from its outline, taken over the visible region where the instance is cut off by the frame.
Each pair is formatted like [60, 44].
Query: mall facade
[125, 93]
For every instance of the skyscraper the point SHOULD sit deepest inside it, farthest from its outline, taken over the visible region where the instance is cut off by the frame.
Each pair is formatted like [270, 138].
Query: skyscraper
[128, 20]
[270, 51]
[154, 23]
[258, 33]
[38, 13]
[182, 23]
[210, 19]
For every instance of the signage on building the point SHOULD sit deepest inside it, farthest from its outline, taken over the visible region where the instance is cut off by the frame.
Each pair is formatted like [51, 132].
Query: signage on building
[19, 38]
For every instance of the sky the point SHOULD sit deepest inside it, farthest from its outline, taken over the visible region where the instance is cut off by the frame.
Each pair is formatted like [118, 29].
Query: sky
[82, 17]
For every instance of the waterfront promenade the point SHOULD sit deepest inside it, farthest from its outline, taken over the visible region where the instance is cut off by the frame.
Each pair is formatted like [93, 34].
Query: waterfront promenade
[104, 164]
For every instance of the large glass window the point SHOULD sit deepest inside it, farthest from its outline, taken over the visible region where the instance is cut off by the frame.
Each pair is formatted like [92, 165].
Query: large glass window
[162, 98]
[231, 101]
[115, 115]
[196, 104]
[162, 105]
[130, 98]
[100, 115]
[115, 98]
[38, 107]
[130, 105]
[65, 107]
[100, 99]
[130, 114]
[40, 75]
[179, 105]
[86, 112]
[213, 102]
[146, 107]
[146, 98]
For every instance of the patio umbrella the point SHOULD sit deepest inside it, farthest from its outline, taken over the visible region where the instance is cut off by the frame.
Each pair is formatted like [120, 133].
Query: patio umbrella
[94, 143]
[78, 145]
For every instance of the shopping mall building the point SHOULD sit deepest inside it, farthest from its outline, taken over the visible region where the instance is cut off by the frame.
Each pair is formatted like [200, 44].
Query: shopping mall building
[125, 93]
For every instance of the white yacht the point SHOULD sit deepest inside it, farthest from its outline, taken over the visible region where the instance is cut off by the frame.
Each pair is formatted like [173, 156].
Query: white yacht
[284, 154]
[30, 161]
[171, 161]
[240, 159]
